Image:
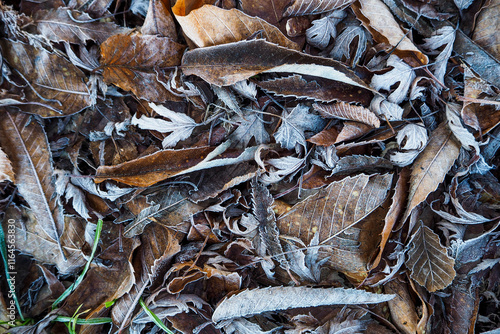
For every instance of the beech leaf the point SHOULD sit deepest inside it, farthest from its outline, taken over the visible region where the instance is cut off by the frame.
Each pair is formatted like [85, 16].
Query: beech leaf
[210, 25]
[348, 112]
[431, 166]
[310, 7]
[428, 261]
[273, 299]
[132, 62]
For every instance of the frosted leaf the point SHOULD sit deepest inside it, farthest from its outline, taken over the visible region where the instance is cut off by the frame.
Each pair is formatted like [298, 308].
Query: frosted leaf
[343, 43]
[402, 73]
[291, 131]
[322, 30]
[385, 109]
[412, 137]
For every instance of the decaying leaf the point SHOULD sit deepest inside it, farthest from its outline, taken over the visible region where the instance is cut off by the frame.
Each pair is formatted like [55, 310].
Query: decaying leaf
[334, 209]
[211, 25]
[271, 11]
[309, 7]
[443, 36]
[461, 133]
[180, 125]
[252, 302]
[291, 131]
[431, 166]
[380, 22]
[385, 109]
[56, 86]
[401, 73]
[348, 112]
[322, 30]
[229, 63]
[159, 21]
[428, 261]
[133, 63]
[352, 130]
[65, 25]
[485, 32]
[25, 143]
[402, 307]
[251, 126]
[344, 43]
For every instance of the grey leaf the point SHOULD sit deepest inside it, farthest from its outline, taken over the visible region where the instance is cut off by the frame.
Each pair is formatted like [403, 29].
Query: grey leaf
[291, 132]
[252, 302]
[343, 43]
[322, 30]
[251, 126]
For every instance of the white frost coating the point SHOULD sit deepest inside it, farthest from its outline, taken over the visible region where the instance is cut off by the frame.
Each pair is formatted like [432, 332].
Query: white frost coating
[321, 71]
[252, 302]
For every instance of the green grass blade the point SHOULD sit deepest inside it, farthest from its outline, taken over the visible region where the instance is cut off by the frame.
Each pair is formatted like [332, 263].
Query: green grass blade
[87, 266]
[154, 317]
[94, 321]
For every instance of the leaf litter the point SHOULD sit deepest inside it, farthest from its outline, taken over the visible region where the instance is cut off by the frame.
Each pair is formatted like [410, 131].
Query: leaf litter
[289, 166]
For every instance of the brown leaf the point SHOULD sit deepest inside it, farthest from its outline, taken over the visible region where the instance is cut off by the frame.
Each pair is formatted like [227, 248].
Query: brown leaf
[326, 137]
[159, 21]
[380, 22]
[65, 25]
[56, 87]
[156, 167]
[35, 242]
[315, 88]
[431, 166]
[6, 172]
[348, 112]
[133, 63]
[112, 282]
[211, 25]
[428, 261]
[402, 308]
[352, 130]
[336, 208]
[271, 10]
[486, 33]
[396, 209]
[229, 63]
[153, 168]
[150, 264]
[310, 7]
[25, 142]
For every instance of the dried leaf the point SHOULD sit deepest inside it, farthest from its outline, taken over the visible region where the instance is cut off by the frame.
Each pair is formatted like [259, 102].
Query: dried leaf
[477, 58]
[322, 30]
[159, 21]
[431, 166]
[315, 88]
[348, 112]
[463, 4]
[352, 130]
[309, 7]
[251, 125]
[291, 131]
[25, 143]
[428, 261]
[132, 62]
[156, 167]
[33, 240]
[65, 25]
[412, 137]
[378, 20]
[353, 164]
[386, 110]
[6, 172]
[343, 44]
[211, 25]
[56, 87]
[271, 10]
[252, 302]
[461, 133]
[401, 73]
[229, 63]
[485, 34]
[402, 308]
[180, 125]
[442, 36]
[336, 208]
